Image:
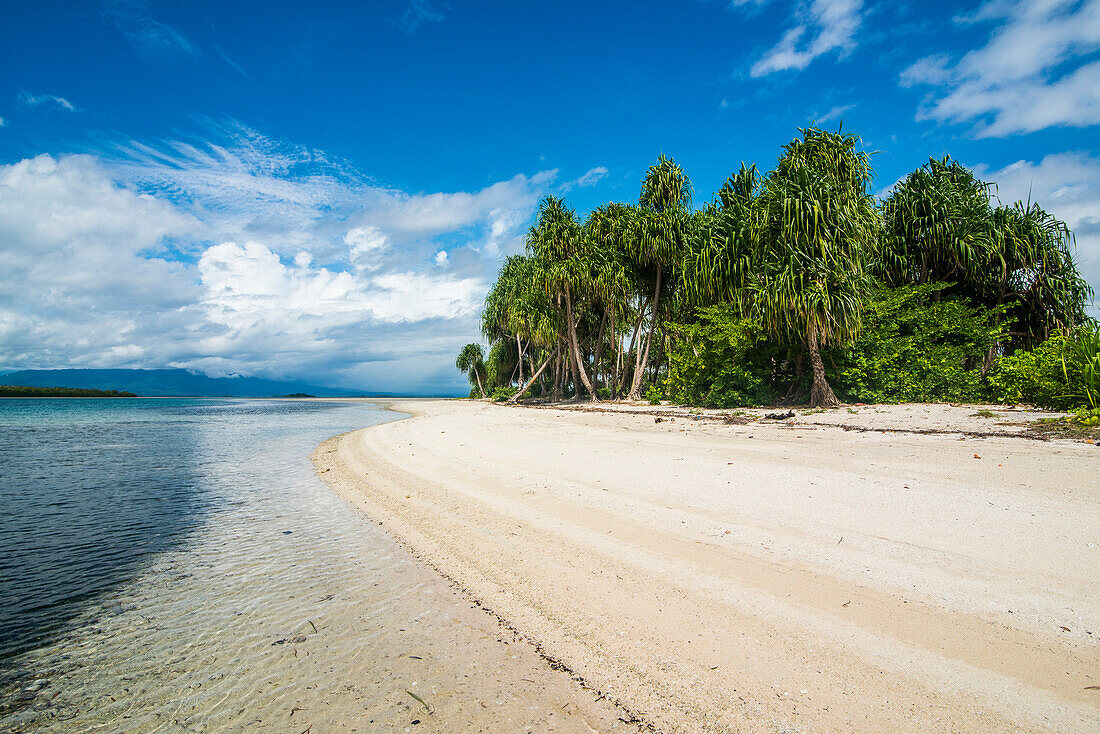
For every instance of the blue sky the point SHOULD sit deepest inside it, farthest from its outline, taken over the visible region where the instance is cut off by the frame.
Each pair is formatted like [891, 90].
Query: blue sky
[325, 190]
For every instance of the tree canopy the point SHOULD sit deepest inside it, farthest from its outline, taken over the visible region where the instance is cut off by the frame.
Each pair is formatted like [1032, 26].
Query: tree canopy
[781, 267]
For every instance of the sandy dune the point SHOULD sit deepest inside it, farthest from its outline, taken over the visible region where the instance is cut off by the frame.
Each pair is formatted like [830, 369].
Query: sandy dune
[760, 577]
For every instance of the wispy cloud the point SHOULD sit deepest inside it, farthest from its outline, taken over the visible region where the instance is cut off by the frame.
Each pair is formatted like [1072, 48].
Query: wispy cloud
[833, 114]
[417, 13]
[37, 100]
[1037, 70]
[3, 122]
[148, 36]
[827, 26]
[231, 63]
[589, 178]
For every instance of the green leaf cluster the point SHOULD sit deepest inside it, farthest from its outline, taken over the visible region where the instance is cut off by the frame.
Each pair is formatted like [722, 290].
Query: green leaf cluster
[1062, 373]
[916, 346]
[721, 361]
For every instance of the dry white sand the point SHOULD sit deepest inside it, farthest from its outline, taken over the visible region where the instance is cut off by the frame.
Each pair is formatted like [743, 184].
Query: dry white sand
[763, 577]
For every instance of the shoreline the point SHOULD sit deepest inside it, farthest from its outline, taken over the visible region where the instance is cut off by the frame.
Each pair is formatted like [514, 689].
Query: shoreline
[610, 554]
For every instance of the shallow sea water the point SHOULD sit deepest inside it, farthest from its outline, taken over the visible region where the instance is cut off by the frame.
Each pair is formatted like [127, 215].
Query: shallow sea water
[175, 565]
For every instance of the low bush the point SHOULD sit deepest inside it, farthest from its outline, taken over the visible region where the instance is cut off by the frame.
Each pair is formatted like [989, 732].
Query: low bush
[1061, 373]
[916, 347]
[720, 361]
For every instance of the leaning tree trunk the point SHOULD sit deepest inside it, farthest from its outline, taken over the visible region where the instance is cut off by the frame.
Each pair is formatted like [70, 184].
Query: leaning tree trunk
[578, 364]
[479, 387]
[631, 353]
[821, 395]
[639, 367]
[534, 377]
[618, 363]
[519, 357]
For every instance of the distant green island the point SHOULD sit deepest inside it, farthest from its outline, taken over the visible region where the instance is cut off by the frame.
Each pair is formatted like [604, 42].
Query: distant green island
[21, 391]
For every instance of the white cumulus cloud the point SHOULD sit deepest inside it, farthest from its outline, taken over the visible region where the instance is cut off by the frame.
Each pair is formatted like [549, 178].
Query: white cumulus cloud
[247, 256]
[1036, 70]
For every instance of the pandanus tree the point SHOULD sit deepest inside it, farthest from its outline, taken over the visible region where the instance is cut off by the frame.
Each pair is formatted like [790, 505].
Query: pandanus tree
[535, 317]
[937, 225]
[506, 315]
[1032, 271]
[814, 246]
[606, 231]
[717, 259]
[471, 361]
[940, 225]
[557, 241]
[657, 244]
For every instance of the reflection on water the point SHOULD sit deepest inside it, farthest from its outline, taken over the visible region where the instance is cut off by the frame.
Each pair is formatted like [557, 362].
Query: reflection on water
[89, 490]
[135, 530]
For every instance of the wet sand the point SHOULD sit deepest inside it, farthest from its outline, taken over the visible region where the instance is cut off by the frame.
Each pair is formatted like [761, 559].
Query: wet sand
[762, 577]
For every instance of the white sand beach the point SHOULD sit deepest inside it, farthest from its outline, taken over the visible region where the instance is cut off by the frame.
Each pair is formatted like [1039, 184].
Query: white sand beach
[768, 577]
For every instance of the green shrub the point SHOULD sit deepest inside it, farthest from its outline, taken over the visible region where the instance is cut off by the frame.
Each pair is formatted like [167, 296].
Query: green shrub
[653, 395]
[1085, 358]
[915, 348]
[1032, 376]
[721, 361]
[1060, 373]
[502, 393]
[1087, 417]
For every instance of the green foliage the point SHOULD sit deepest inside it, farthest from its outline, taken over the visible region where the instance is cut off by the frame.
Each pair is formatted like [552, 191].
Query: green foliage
[913, 298]
[914, 348]
[721, 361]
[501, 393]
[1035, 376]
[1085, 358]
[1087, 417]
[653, 395]
[1061, 373]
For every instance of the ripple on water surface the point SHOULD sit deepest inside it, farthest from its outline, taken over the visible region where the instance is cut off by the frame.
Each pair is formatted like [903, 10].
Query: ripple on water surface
[174, 565]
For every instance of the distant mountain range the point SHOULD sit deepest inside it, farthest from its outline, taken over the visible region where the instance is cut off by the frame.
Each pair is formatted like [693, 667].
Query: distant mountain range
[171, 383]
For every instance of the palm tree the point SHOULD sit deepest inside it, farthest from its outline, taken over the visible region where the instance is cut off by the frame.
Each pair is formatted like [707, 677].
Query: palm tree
[815, 242]
[657, 244]
[607, 231]
[471, 360]
[717, 259]
[940, 225]
[937, 225]
[1032, 270]
[557, 240]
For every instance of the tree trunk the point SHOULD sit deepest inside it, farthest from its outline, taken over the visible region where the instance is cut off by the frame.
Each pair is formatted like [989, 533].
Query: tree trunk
[519, 356]
[555, 392]
[599, 350]
[479, 387]
[821, 395]
[578, 363]
[631, 351]
[618, 364]
[639, 368]
[534, 377]
[797, 377]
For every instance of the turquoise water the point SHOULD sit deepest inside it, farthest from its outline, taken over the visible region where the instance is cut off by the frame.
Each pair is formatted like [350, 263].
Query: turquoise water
[93, 491]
